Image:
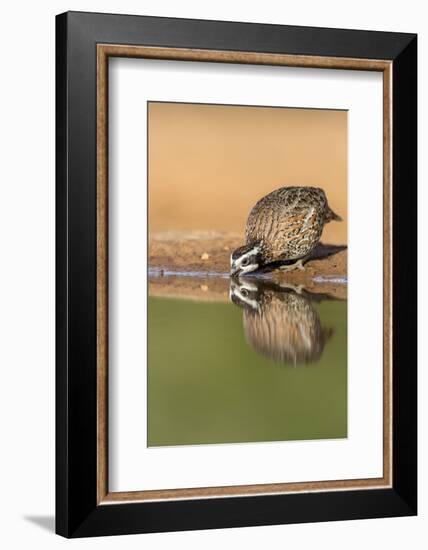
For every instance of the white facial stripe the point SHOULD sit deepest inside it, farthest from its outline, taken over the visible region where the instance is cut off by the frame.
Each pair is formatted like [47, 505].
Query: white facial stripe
[252, 303]
[248, 286]
[251, 252]
[248, 269]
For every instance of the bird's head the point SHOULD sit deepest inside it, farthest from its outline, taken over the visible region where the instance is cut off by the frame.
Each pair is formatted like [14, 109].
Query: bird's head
[245, 259]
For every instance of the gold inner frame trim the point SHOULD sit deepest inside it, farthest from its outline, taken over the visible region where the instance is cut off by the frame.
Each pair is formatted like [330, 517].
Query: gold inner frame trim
[104, 51]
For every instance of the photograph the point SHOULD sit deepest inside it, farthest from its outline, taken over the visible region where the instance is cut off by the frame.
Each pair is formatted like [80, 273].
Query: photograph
[247, 274]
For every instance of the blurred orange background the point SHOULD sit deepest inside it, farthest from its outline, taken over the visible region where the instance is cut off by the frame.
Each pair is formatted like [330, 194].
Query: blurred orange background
[209, 164]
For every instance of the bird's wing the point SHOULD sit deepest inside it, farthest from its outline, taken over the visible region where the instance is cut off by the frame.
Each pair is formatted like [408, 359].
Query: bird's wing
[297, 233]
[284, 210]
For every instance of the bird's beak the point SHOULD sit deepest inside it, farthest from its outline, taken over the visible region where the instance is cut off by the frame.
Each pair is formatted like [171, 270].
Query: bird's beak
[234, 270]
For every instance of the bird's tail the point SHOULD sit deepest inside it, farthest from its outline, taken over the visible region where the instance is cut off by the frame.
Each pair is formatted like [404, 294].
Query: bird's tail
[332, 216]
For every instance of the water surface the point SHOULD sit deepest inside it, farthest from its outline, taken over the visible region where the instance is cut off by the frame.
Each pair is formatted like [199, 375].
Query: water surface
[270, 364]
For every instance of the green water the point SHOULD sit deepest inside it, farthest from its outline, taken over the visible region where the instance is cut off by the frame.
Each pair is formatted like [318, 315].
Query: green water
[272, 368]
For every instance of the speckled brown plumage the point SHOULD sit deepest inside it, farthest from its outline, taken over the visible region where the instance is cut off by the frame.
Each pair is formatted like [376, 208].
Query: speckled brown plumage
[288, 222]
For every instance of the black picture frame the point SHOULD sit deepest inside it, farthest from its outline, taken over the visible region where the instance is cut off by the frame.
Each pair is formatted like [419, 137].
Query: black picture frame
[77, 512]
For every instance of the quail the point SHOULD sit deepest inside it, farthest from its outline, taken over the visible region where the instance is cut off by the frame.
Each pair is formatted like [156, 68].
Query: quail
[284, 226]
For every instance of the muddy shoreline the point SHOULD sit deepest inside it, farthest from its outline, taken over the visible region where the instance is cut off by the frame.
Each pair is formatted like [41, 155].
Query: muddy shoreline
[195, 265]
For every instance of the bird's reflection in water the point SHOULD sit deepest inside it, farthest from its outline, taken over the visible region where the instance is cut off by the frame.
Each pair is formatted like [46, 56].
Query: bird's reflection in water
[281, 323]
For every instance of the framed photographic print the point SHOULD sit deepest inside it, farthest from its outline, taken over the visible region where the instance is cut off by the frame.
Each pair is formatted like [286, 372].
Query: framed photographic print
[236, 274]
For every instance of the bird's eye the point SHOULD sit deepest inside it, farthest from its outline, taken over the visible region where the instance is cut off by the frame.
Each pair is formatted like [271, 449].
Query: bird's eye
[244, 292]
[245, 261]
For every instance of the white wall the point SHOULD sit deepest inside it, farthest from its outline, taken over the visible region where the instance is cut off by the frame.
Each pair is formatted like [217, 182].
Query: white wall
[27, 271]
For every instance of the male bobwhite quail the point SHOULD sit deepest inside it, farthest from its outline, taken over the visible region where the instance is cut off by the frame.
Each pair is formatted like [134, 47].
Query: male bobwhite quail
[284, 226]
